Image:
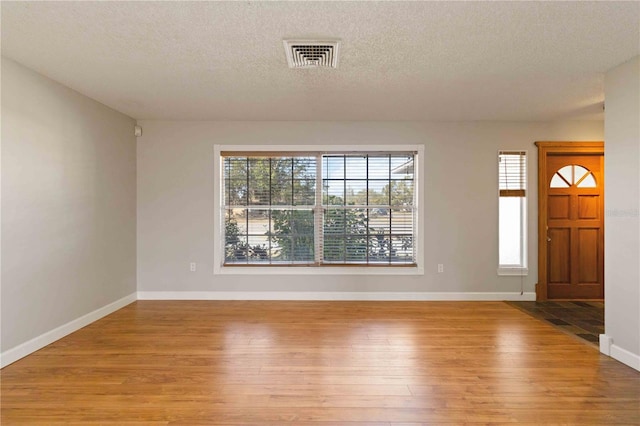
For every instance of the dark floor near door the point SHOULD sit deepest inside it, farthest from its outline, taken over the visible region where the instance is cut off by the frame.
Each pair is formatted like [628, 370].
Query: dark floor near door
[583, 319]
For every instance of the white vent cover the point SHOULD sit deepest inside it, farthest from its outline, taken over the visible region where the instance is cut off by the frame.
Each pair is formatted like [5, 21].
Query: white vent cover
[312, 53]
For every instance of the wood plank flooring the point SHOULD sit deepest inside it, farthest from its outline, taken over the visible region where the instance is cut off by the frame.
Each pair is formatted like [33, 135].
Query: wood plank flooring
[320, 363]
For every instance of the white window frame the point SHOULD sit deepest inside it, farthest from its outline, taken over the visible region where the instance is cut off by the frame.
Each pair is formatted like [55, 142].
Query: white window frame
[218, 216]
[522, 268]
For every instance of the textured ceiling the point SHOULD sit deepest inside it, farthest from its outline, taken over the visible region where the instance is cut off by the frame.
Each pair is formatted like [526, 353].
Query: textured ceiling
[398, 60]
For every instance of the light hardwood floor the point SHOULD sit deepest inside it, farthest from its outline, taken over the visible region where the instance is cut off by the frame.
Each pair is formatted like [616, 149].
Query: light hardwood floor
[210, 362]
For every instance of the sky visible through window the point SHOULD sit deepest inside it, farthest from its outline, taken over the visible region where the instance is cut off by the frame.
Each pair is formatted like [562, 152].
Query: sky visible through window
[362, 172]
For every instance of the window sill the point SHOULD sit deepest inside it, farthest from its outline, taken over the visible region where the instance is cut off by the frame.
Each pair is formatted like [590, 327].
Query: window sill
[315, 270]
[513, 271]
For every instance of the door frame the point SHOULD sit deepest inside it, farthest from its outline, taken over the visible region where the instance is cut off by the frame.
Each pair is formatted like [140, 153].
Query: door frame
[546, 148]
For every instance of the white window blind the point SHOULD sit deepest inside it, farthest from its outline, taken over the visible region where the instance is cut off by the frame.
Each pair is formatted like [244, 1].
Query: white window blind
[269, 206]
[369, 208]
[319, 208]
[512, 172]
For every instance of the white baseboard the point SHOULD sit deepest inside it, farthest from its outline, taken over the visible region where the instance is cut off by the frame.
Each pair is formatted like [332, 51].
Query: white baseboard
[329, 295]
[607, 347]
[12, 355]
[605, 344]
[625, 357]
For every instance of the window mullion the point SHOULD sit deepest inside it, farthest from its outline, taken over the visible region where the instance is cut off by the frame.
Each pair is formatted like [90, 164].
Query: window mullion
[390, 211]
[318, 210]
[246, 213]
[344, 212]
[269, 225]
[366, 188]
[292, 236]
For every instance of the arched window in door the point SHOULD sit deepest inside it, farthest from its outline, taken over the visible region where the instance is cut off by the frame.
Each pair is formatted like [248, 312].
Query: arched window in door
[572, 175]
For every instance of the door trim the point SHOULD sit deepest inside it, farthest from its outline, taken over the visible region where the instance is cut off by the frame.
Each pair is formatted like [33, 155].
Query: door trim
[544, 149]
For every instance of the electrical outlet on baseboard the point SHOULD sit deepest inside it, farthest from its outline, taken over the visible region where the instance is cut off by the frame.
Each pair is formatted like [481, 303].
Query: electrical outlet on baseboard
[192, 266]
[440, 268]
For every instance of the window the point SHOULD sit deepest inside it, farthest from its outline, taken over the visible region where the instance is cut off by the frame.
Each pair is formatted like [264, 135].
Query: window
[317, 208]
[573, 175]
[512, 183]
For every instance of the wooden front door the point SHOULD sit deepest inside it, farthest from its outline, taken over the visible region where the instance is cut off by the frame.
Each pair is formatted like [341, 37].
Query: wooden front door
[571, 228]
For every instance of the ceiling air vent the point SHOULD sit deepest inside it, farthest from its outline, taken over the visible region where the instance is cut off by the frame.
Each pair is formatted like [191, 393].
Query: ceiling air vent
[312, 53]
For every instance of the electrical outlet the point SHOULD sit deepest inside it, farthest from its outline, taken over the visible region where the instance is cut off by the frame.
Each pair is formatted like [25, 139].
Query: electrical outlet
[192, 266]
[440, 268]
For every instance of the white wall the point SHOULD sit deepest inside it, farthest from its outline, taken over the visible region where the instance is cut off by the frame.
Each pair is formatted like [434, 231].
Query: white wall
[176, 184]
[622, 220]
[68, 208]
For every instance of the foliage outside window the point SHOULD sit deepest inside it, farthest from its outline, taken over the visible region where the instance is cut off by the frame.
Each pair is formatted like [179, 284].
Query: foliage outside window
[318, 209]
